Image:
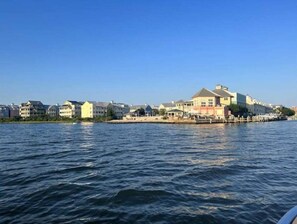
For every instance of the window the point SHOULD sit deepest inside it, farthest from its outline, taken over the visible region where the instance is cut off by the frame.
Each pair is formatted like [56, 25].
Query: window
[203, 104]
[225, 98]
[210, 102]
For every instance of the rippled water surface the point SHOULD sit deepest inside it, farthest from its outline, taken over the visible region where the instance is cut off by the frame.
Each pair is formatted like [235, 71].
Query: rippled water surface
[147, 173]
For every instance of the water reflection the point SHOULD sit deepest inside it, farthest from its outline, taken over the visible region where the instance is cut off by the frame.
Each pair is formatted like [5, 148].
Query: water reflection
[87, 135]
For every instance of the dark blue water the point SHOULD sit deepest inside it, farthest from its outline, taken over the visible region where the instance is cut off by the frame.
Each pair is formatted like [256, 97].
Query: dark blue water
[147, 173]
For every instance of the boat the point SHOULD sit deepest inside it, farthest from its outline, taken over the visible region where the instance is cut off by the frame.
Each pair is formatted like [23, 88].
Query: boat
[290, 217]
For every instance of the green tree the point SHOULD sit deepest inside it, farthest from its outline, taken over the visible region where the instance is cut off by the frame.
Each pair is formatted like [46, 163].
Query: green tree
[237, 110]
[155, 111]
[140, 112]
[286, 111]
[162, 112]
[111, 113]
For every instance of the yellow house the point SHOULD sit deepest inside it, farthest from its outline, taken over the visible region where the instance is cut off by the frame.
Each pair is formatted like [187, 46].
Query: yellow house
[206, 98]
[225, 95]
[207, 103]
[71, 109]
[91, 109]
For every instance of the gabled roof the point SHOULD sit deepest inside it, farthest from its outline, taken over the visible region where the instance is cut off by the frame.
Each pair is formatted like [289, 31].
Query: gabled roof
[184, 101]
[206, 93]
[99, 104]
[222, 93]
[74, 102]
[136, 107]
[34, 102]
[168, 104]
[52, 106]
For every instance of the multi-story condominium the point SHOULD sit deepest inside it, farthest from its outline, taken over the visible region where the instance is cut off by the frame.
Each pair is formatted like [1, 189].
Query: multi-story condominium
[168, 106]
[91, 109]
[14, 111]
[225, 95]
[53, 111]
[120, 109]
[4, 111]
[239, 99]
[256, 107]
[125, 107]
[32, 109]
[185, 106]
[207, 103]
[71, 109]
[228, 97]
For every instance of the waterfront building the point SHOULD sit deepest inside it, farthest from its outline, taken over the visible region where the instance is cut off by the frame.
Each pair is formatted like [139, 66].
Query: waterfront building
[71, 109]
[4, 111]
[228, 97]
[32, 109]
[239, 99]
[122, 108]
[53, 111]
[185, 106]
[91, 109]
[168, 106]
[207, 103]
[175, 113]
[14, 111]
[134, 110]
[225, 95]
[255, 107]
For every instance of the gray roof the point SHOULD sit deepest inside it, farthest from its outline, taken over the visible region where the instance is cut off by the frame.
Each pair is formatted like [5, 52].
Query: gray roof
[205, 93]
[35, 102]
[75, 102]
[222, 93]
[135, 107]
[99, 104]
[184, 101]
[168, 104]
[52, 106]
[102, 104]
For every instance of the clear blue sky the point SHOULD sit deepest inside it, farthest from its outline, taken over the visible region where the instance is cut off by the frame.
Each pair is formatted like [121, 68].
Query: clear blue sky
[146, 51]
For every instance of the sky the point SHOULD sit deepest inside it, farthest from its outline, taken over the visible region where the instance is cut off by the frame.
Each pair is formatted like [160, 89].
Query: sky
[146, 51]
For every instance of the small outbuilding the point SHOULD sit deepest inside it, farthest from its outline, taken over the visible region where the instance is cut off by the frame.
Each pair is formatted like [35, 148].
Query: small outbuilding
[175, 113]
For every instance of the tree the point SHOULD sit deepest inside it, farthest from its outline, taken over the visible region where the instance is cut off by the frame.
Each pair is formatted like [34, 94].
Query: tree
[286, 111]
[140, 112]
[155, 111]
[237, 110]
[162, 112]
[110, 113]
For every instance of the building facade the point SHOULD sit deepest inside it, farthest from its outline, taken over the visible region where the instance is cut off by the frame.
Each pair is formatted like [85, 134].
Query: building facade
[207, 103]
[14, 111]
[225, 95]
[71, 109]
[185, 106]
[53, 111]
[91, 109]
[255, 107]
[121, 109]
[148, 111]
[168, 106]
[4, 111]
[239, 99]
[32, 109]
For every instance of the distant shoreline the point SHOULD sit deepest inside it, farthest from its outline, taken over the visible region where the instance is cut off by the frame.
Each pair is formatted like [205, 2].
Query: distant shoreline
[193, 122]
